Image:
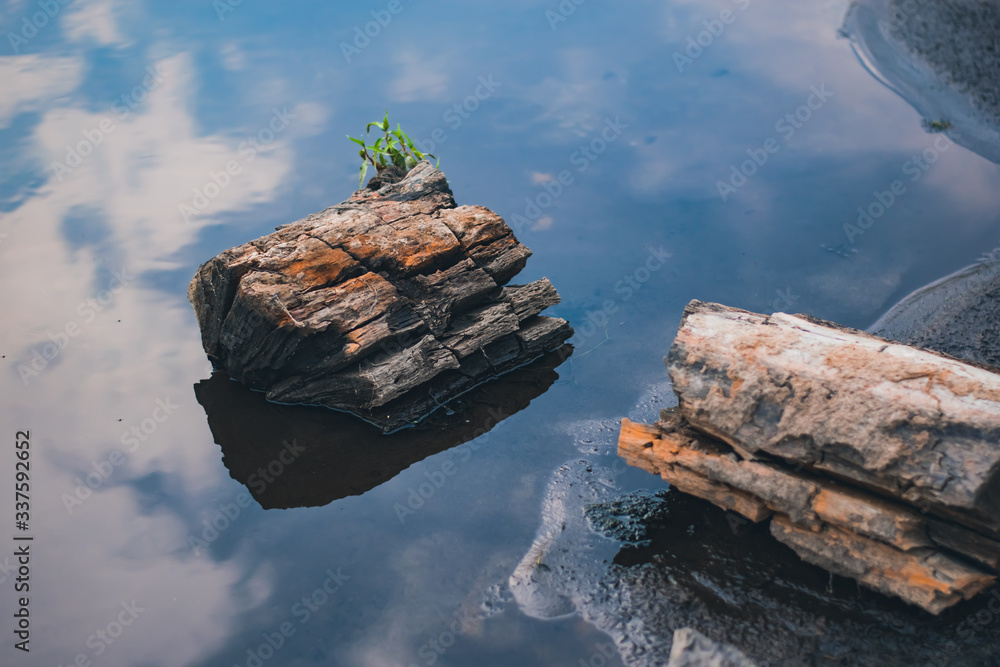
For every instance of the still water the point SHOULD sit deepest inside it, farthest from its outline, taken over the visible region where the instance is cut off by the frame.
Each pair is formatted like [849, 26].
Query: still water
[138, 140]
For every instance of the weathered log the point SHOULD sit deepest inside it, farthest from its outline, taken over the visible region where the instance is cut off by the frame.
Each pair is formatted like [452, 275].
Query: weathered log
[885, 545]
[808, 499]
[923, 577]
[911, 424]
[387, 305]
[650, 448]
[872, 459]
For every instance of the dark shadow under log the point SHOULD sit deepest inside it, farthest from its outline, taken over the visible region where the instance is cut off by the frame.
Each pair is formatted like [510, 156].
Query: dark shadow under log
[301, 456]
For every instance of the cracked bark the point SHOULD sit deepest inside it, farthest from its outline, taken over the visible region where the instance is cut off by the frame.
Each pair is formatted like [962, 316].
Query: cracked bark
[905, 422]
[387, 305]
[872, 459]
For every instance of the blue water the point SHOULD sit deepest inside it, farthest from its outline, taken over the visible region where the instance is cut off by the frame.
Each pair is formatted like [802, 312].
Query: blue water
[163, 98]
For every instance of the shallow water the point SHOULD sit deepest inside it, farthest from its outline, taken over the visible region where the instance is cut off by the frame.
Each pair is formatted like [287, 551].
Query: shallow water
[102, 352]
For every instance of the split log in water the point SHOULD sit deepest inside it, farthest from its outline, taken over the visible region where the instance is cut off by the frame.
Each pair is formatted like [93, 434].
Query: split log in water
[885, 545]
[875, 460]
[907, 422]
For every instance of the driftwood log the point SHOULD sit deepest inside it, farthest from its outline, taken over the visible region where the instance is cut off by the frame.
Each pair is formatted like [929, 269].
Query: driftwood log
[875, 460]
[386, 306]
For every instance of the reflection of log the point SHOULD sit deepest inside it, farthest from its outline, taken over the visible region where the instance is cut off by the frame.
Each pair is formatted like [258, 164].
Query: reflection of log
[874, 460]
[386, 305]
[334, 455]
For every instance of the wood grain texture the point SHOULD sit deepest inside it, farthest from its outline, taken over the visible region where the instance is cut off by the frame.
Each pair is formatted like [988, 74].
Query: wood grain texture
[870, 458]
[911, 423]
[884, 545]
[368, 302]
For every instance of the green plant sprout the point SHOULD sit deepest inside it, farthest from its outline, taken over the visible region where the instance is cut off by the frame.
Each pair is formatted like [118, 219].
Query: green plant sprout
[936, 125]
[395, 148]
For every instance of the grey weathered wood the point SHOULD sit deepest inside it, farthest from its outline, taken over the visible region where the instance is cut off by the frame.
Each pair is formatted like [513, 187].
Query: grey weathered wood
[870, 458]
[479, 327]
[392, 292]
[910, 423]
[528, 300]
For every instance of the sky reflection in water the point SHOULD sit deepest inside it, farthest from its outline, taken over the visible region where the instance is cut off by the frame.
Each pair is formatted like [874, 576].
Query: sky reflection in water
[242, 119]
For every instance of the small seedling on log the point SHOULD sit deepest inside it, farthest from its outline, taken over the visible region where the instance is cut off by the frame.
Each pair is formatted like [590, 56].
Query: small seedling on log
[936, 125]
[395, 148]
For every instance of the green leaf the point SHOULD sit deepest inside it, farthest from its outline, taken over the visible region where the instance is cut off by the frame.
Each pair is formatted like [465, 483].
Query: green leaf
[361, 178]
[395, 148]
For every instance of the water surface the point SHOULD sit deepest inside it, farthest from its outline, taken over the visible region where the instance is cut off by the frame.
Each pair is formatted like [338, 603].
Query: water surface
[97, 251]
